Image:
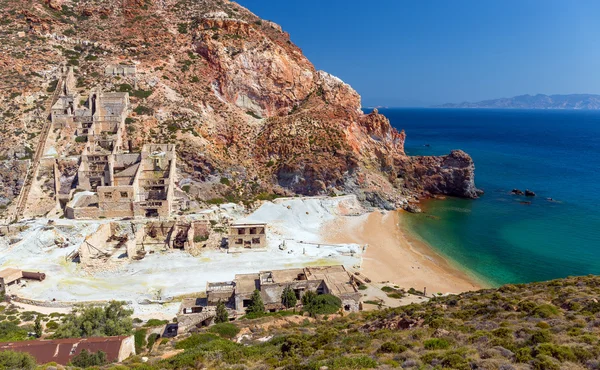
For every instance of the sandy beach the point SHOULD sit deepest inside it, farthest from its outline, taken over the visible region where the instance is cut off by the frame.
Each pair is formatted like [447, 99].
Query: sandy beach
[394, 256]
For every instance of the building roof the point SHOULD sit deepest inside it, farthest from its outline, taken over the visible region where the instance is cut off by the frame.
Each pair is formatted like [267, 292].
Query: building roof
[62, 351]
[9, 271]
[246, 283]
[249, 224]
[338, 280]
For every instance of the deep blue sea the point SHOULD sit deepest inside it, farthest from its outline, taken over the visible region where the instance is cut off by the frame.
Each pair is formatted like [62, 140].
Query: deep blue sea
[555, 153]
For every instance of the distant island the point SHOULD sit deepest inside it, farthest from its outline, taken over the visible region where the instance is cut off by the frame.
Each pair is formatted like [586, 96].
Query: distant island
[539, 101]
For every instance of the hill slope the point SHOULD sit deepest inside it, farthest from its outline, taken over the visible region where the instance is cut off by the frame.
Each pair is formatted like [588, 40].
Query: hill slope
[250, 114]
[539, 101]
[550, 325]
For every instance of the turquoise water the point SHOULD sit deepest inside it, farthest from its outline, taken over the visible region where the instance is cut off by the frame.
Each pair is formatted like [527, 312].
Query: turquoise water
[497, 238]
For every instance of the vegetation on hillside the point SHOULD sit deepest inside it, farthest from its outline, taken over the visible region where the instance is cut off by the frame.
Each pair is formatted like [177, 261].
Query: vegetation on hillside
[112, 319]
[551, 325]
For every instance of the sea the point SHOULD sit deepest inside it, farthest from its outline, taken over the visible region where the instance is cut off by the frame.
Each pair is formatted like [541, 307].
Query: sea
[503, 238]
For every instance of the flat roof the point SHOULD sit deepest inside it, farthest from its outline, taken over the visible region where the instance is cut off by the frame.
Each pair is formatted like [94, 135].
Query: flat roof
[8, 272]
[338, 280]
[246, 283]
[249, 225]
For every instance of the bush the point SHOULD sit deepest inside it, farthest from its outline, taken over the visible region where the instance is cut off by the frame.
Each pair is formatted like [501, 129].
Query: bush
[81, 139]
[391, 347]
[324, 304]
[142, 110]
[111, 320]
[256, 305]
[10, 332]
[225, 330]
[155, 322]
[363, 287]
[540, 336]
[140, 340]
[436, 343]
[16, 360]
[51, 325]
[545, 311]
[196, 340]
[152, 339]
[221, 315]
[225, 181]
[87, 359]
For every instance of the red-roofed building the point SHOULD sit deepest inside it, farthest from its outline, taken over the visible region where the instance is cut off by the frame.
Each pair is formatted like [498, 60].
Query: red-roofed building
[62, 351]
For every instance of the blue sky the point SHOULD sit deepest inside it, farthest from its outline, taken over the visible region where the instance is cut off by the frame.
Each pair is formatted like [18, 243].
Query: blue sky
[423, 52]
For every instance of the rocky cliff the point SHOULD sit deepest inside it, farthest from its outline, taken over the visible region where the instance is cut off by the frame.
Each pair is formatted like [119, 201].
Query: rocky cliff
[250, 114]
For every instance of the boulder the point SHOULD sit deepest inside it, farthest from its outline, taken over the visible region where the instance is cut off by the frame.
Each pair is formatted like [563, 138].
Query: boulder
[529, 193]
[517, 192]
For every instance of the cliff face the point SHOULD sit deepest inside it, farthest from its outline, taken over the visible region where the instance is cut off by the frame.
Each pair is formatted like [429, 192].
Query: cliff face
[238, 97]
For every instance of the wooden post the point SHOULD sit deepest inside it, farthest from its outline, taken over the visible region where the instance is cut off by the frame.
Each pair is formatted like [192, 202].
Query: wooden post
[425, 292]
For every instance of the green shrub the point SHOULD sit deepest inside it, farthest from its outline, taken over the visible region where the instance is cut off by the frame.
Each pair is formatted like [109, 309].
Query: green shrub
[545, 311]
[140, 340]
[363, 287]
[111, 320]
[324, 304]
[540, 336]
[225, 181]
[391, 347]
[543, 362]
[87, 359]
[561, 353]
[155, 322]
[196, 340]
[388, 289]
[16, 360]
[81, 139]
[186, 188]
[436, 343]
[152, 339]
[142, 110]
[523, 355]
[10, 332]
[360, 362]
[225, 330]
[141, 94]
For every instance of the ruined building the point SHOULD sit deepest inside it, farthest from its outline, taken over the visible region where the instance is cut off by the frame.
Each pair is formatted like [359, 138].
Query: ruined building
[126, 185]
[333, 280]
[124, 70]
[112, 182]
[247, 236]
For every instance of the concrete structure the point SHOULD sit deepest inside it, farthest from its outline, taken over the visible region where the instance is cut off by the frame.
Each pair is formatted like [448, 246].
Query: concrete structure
[333, 280]
[62, 351]
[126, 185]
[120, 70]
[63, 110]
[10, 277]
[247, 236]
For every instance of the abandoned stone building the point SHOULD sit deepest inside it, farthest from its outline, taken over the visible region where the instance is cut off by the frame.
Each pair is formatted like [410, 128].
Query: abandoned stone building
[126, 185]
[11, 277]
[333, 280]
[124, 70]
[247, 236]
[63, 111]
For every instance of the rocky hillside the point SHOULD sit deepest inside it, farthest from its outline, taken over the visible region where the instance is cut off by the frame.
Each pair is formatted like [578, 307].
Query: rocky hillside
[250, 114]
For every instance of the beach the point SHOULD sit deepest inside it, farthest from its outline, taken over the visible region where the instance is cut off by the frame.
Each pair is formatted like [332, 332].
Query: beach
[394, 256]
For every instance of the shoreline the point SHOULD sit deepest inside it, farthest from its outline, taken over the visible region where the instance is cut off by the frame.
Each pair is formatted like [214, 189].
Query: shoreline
[395, 256]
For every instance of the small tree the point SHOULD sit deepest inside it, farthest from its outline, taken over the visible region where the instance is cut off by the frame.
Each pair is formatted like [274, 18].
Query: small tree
[88, 359]
[222, 315]
[256, 305]
[308, 297]
[37, 327]
[288, 297]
